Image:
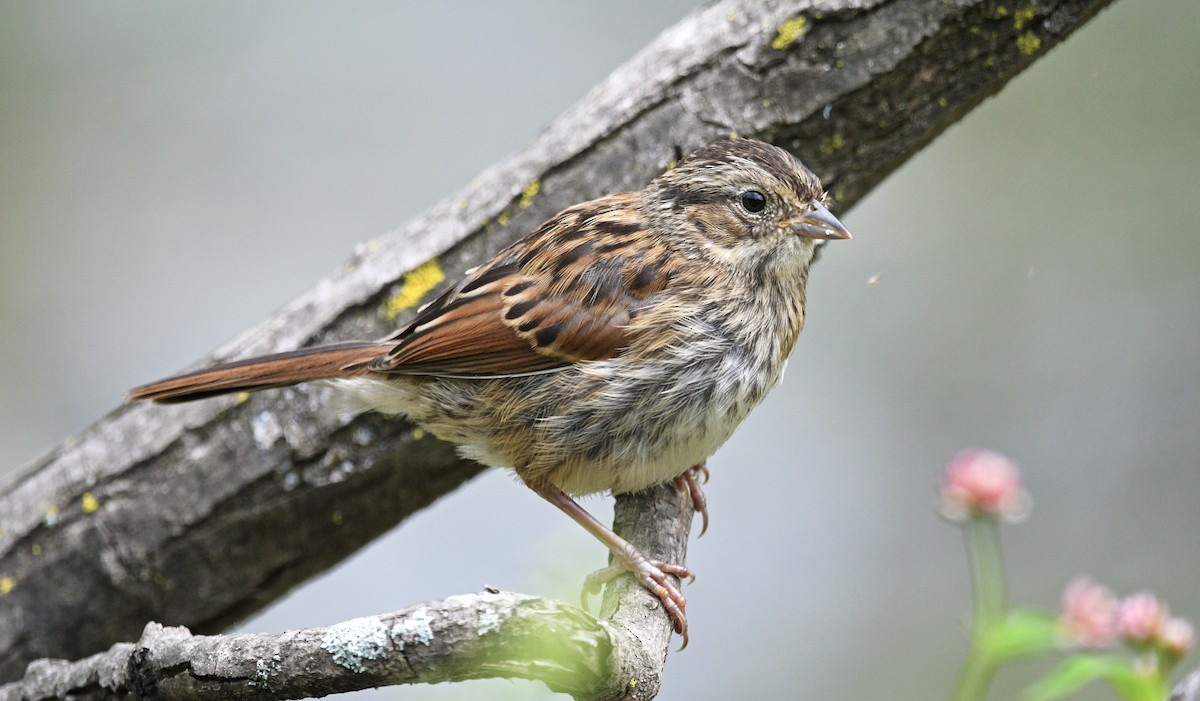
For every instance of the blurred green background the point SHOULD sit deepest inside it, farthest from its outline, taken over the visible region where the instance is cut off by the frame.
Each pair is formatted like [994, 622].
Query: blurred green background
[170, 173]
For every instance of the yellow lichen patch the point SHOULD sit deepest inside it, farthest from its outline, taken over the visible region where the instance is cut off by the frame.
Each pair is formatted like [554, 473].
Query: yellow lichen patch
[337, 518]
[836, 142]
[36, 549]
[418, 434]
[7, 584]
[89, 502]
[531, 190]
[942, 102]
[1028, 43]
[242, 398]
[417, 283]
[1023, 16]
[789, 32]
[1001, 11]
[503, 217]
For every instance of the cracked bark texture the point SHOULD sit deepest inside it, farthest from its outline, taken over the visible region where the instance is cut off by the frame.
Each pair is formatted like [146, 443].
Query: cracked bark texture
[471, 636]
[201, 514]
[461, 637]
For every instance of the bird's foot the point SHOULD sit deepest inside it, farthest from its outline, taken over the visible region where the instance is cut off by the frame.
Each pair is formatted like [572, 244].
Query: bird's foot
[651, 574]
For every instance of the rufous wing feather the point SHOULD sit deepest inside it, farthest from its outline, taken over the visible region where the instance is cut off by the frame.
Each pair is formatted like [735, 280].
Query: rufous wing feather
[550, 300]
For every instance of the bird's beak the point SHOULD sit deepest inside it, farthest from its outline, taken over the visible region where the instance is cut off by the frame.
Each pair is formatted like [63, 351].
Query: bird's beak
[818, 223]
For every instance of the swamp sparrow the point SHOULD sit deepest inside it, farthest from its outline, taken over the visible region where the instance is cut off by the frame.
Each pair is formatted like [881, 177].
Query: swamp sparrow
[613, 349]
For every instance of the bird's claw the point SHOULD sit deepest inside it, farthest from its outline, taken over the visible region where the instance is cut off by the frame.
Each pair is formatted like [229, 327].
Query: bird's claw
[652, 575]
[689, 482]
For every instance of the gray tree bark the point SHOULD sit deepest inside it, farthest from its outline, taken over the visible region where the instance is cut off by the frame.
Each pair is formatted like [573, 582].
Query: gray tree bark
[201, 514]
[472, 636]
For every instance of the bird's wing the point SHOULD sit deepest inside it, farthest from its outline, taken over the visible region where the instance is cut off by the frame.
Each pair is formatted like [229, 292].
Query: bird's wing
[565, 294]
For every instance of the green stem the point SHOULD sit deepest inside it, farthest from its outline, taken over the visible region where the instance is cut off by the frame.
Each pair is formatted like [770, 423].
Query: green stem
[987, 571]
[987, 584]
[976, 677]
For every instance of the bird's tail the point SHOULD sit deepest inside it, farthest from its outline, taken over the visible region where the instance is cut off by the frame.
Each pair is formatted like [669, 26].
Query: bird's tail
[266, 371]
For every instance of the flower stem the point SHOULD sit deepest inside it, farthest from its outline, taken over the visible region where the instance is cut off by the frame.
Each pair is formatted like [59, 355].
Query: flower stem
[987, 571]
[988, 588]
[975, 679]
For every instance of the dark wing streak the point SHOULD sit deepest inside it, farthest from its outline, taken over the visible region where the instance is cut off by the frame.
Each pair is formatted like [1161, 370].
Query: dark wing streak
[462, 334]
[558, 297]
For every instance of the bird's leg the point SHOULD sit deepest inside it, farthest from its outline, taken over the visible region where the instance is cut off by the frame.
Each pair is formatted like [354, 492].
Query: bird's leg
[689, 483]
[651, 574]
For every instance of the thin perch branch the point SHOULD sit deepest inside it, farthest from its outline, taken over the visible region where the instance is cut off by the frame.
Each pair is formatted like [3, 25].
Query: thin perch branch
[471, 636]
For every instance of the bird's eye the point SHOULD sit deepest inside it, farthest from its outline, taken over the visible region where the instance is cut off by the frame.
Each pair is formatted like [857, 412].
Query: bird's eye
[753, 201]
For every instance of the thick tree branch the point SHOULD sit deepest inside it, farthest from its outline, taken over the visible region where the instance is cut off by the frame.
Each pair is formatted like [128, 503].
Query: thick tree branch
[201, 514]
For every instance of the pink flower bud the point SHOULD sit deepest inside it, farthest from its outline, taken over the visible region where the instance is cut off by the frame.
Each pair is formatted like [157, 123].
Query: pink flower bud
[1089, 614]
[1141, 617]
[982, 484]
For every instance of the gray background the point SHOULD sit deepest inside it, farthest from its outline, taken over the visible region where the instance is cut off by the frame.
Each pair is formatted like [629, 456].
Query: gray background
[170, 173]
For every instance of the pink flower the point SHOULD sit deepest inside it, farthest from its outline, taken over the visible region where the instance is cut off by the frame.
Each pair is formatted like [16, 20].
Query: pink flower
[1177, 637]
[1145, 622]
[982, 484]
[1089, 614]
[1141, 617]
